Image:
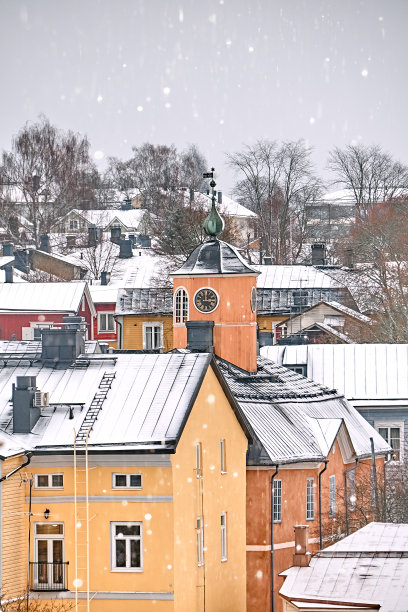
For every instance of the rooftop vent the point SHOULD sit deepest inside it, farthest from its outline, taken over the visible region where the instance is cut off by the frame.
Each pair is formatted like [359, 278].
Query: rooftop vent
[62, 345]
[105, 277]
[45, 243]
[125, 249]
[8, 270]
[8, 249]
[318, 254]
[267, 261]
[144, 241]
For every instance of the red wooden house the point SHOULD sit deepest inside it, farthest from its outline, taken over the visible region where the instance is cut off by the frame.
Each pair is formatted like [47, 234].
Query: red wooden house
[26, 307]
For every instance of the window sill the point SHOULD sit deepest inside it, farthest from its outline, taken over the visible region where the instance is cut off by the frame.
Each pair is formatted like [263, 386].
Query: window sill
[127, 570]
[127, 489]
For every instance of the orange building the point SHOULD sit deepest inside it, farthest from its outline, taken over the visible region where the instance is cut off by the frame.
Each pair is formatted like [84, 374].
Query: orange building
[307, 441]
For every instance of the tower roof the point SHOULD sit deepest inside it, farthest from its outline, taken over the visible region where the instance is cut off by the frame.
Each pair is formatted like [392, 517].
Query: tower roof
[215, 257]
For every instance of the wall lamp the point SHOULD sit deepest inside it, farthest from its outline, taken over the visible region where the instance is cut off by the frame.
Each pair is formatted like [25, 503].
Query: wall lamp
[46, 513]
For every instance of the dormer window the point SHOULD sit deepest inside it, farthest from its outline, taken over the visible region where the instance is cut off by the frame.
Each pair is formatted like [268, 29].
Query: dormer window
[180, 306]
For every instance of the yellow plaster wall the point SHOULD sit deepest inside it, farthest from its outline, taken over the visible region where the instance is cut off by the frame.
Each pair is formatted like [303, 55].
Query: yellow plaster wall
[14, 530]
[133, 330]
[211, 420]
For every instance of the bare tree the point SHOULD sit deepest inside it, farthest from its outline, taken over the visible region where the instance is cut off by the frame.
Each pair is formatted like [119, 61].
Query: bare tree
[277, 181]
[50, 170]
[27, 602]
[369, 173]
[192, 166]
[102, 257]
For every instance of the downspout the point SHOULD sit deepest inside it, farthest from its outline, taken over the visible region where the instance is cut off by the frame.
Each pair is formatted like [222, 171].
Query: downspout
[350, 469]
[272, 553]
[29, 544]
[374, 478]
[120, 331]
[320, 503]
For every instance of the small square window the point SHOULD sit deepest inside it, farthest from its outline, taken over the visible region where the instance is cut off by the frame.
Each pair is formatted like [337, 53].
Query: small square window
[49, 481]
[106, 322]
[127, 481]
[57, 480]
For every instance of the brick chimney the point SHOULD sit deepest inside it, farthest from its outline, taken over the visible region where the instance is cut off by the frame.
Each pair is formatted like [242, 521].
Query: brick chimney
[301, 558]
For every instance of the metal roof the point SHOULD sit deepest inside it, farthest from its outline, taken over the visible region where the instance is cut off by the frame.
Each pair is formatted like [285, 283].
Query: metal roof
[284, 301]
[369, 567]
[148, 402]
[41, 297]
[144, 301]
[215, 257]
[369, 372]
[294, 277]
[289, 414]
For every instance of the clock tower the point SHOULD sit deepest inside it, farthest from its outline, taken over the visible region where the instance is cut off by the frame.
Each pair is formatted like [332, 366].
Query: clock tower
[216, 284]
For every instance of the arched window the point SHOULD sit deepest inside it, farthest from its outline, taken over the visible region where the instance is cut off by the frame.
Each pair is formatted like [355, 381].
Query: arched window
[180, 306]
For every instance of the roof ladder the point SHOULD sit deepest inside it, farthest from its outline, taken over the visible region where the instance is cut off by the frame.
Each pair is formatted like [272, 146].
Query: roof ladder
[95, 406]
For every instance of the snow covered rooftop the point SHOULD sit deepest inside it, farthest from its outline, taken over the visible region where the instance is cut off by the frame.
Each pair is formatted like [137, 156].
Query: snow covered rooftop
[215, 257]
[294, 277]
[290, 414]
[368, 569]
[147, 301]
[147, 404]
[41, 297]
[366, 372]
[130, 219]
[227, 207]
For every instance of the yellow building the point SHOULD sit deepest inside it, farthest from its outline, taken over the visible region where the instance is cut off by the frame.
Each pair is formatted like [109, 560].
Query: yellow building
[134, 495]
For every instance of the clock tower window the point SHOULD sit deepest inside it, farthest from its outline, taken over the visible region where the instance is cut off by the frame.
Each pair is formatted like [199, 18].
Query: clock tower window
[180, 306]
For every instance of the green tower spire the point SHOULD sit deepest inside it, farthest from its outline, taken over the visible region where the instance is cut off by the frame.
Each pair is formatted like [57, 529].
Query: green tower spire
[213, 224]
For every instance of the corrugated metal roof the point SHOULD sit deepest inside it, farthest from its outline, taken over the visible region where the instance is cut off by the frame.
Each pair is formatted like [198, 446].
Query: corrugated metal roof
[368, 567]
[359, 371]
[148, 401]
[37, 297]
[288, 413]
[285, 301]
[294, 277]
[147, 301]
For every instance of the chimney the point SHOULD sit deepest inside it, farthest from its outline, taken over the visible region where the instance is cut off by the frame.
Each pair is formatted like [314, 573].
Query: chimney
[25, 413]
[301, 558]
[105, 277]
[22, 260]
[126, 204]
[349, 258]
[116, 232]
[8, 270]
[62, 345]
[318, 254]
[92, 235]
[125, 251]
[8, 248]
[144, 241]
[191, 195]
[200, 336]
[219, 196]
[267, 261]
[45, 243]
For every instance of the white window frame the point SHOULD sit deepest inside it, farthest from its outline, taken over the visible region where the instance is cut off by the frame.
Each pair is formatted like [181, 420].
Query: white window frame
[277, 501]
[393, 425]
[332, 496]
[224, 548]
[106, 313]
[128, 485]
[200, 540]
[181, 306]
[49, 486]
[310, 499]
[223, 456]
[153, 324]
[199, 459]
[114, 538]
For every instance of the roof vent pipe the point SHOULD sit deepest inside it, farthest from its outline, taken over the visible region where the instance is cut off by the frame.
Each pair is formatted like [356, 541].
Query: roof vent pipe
[8, 270]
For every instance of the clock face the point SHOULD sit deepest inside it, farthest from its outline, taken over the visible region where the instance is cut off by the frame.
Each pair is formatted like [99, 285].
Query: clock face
[253, 299]
[206, 300]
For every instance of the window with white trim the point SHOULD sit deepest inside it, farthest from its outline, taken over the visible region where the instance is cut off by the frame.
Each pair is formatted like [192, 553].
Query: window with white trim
[126, 481]
[48, 481]
[223, 536]
[277, 501]
[310, 499]
[392, 434]
[152, 335]
[200, 540]
[73, 224]
[223, 457]
[126, 547]
[180, 306]
[106, 322]
[332, 496]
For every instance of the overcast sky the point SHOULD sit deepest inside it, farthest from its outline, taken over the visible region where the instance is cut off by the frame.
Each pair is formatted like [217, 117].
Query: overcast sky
[218, 73]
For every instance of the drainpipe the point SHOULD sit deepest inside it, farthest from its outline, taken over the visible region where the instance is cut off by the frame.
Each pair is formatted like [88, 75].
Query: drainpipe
[374, 478]
[272, 554]
[28, 455]
[350, 469]
[120, 331]
[320, 503]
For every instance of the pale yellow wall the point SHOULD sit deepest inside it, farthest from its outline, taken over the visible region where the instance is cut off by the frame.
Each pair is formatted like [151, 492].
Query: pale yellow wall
[14, 530]
[211, 420]
[133, 330]
[157, 574]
